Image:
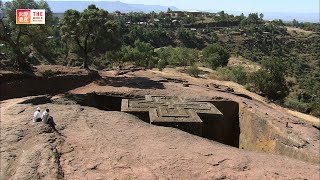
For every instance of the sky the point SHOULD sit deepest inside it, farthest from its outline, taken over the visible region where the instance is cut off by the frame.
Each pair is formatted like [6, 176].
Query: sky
[288, 6]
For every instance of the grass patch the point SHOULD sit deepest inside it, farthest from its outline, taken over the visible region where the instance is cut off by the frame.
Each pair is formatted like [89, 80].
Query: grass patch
[236, 74]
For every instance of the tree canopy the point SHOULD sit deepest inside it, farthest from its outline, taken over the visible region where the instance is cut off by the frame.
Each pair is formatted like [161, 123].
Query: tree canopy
[90, 30]
[24, 39]
[271, 79]
[215, 55]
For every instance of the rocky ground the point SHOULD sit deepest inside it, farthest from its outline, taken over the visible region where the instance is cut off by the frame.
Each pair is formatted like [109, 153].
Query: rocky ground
[96, 144]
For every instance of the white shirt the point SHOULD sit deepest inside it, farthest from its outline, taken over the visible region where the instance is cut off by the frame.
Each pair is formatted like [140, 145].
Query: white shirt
[36, 115]
[45, 116]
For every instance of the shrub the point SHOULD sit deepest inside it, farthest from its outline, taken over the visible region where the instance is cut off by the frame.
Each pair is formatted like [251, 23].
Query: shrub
[183, 56]
[141, 54]
[315, 108]
[193, 71]
[215, 56]
[189, 39]
[239, 75]
[296, 104]
[236, 74]
[152, 62]
[270, 80]
[178, 56]
[161, 64]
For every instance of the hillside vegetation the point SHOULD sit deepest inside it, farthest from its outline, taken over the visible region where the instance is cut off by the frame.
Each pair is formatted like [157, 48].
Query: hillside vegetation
[285, 56]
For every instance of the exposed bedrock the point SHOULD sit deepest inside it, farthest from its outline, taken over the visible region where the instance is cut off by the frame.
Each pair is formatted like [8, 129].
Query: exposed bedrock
[240, 127]
[15, 86]
[259, 134]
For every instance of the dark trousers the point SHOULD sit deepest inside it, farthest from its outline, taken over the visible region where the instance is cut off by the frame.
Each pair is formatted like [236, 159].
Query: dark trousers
[38, 120]
[51, 123]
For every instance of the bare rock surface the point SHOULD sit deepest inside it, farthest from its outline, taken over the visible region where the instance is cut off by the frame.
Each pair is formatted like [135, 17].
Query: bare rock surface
[263, 124]
[96, 144]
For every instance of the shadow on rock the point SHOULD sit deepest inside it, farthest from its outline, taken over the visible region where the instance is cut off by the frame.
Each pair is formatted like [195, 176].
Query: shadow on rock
[132, 82]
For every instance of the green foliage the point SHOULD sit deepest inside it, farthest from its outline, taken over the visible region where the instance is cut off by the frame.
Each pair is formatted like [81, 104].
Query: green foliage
[271, 79]
[214, 37]
[252, 19]
[117, 57]
[236, 74]
[96, 37]
[215, 56]
[261, 16]
[193, 71]
[141, 54]
[222, 16]
[157, 37]
[315, 108]
[178, 56]
[183, 56]
[296, 104]
[189, 39]
[90, 30]
[20, 37]
[161, 64]
[304, 102]
[278, 22]
[188, 20]
[295, 23]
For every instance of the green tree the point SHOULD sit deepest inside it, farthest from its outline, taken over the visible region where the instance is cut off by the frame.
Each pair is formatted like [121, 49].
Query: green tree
[188, 20]
[222, 16]
[252, 18]
[295, 23]
[239, 75]
[117, 57]
[141, 54]
[261, 16]
[271, 79]
[164, 54]
[88, 29]
[182, 56]
[278, 22]
[153, 14]
[189, 39]
[242, 16]
[179, 56]
[215, 56]
[22, 39]
[157, 37]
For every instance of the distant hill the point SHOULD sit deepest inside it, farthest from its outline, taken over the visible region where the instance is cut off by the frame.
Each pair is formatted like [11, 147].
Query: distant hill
[111, 6]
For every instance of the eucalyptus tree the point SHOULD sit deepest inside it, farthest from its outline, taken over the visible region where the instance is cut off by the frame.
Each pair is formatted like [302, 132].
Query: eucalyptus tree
[91, 30]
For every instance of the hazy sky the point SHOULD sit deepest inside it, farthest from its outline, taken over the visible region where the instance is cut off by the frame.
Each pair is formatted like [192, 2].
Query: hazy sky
[297, 6]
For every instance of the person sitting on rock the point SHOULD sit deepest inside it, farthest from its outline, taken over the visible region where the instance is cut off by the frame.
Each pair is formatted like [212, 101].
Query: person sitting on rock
[37, 115]
[45, 116]
[47, 119]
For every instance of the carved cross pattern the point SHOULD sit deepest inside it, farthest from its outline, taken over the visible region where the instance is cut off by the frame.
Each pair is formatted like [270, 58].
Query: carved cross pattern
[170, 109]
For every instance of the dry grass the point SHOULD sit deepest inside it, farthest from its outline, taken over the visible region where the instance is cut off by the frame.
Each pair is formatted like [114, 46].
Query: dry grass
[249, 66]
[298, 31]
